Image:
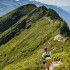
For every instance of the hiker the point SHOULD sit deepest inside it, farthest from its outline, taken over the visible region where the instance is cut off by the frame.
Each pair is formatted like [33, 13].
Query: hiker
[46, 59]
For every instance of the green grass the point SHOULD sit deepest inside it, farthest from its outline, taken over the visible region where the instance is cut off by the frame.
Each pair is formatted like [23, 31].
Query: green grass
[28, 41]
[14, 16]
[21, 52]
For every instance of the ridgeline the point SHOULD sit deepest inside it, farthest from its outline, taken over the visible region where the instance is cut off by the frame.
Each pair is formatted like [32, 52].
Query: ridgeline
[25, 31]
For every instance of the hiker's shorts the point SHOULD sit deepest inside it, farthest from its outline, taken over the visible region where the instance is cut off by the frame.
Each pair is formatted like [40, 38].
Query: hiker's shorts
[44, 62]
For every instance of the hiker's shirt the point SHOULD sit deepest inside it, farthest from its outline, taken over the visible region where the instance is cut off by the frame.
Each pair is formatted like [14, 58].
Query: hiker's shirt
[44, 56]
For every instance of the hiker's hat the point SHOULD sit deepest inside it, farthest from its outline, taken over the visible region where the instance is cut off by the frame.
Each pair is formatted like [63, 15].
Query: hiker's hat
[45, 48]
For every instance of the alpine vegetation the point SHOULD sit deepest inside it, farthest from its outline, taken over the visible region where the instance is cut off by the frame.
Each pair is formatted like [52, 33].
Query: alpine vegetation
[25, 31]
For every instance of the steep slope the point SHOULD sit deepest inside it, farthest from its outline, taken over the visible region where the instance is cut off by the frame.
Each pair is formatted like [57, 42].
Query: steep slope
[22, 43]
[22, 23]
[62, 13]
[11, 18]
[8, 5]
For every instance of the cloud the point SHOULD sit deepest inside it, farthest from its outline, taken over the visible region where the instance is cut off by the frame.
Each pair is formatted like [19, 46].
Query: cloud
[55, 2]
[31, 0]
[17, 0]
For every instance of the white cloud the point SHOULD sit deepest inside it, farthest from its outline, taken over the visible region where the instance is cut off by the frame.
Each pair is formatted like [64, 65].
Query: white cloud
[17, 0]
[31, 0]
[56, 2]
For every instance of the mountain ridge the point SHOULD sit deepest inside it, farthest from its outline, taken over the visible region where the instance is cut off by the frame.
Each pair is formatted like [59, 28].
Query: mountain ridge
[20, 43]
[36, 14]
[14, 4]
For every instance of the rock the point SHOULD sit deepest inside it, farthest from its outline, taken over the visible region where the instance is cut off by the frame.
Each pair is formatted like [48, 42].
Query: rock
[58, 37]
[64, 40]
[40, 50]
[49, 43]
[52, 31]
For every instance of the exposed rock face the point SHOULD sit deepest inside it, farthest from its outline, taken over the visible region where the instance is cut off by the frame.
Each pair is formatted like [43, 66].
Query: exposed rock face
[58, 37]
[64, 40]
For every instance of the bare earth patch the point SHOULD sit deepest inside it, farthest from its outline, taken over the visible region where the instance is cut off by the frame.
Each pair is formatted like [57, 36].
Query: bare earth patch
[55, 64]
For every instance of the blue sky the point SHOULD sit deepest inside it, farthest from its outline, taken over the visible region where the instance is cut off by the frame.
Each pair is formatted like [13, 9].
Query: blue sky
[55, 2]
[64, 4]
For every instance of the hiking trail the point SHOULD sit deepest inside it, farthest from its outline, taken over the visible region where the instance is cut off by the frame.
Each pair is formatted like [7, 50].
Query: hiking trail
[55, 64]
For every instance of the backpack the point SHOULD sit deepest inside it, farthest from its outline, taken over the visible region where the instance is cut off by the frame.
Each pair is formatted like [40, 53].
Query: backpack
[47, 55]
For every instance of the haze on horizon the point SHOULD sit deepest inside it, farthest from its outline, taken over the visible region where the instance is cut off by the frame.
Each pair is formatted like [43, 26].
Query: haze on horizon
[55, 2]
[64, 4]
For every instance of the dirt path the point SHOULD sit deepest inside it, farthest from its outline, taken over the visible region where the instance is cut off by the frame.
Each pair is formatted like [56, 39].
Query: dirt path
[55, 64]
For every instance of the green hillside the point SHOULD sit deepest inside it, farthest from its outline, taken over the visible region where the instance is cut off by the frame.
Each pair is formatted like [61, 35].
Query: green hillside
[12, 17]
[25, 31]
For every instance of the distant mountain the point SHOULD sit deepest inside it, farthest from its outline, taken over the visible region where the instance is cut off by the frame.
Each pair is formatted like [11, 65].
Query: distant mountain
[67, 8]
[8, 5]
[64, 14]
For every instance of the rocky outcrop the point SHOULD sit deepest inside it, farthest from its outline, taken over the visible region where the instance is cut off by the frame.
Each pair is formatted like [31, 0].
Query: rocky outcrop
[60, 38]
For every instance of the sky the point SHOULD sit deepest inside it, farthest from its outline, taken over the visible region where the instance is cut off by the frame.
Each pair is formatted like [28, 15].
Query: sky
[17, 0]
[64, 4]
[55, 2]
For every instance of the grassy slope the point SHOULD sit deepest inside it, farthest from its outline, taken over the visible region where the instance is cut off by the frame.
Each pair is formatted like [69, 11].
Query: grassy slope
[32, 16]
[30, 40]
[12, 17]
[21, 52]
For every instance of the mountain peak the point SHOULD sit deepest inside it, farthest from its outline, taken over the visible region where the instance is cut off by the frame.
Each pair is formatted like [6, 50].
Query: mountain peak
[30, 5]
[43, 7]
[25, 30]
